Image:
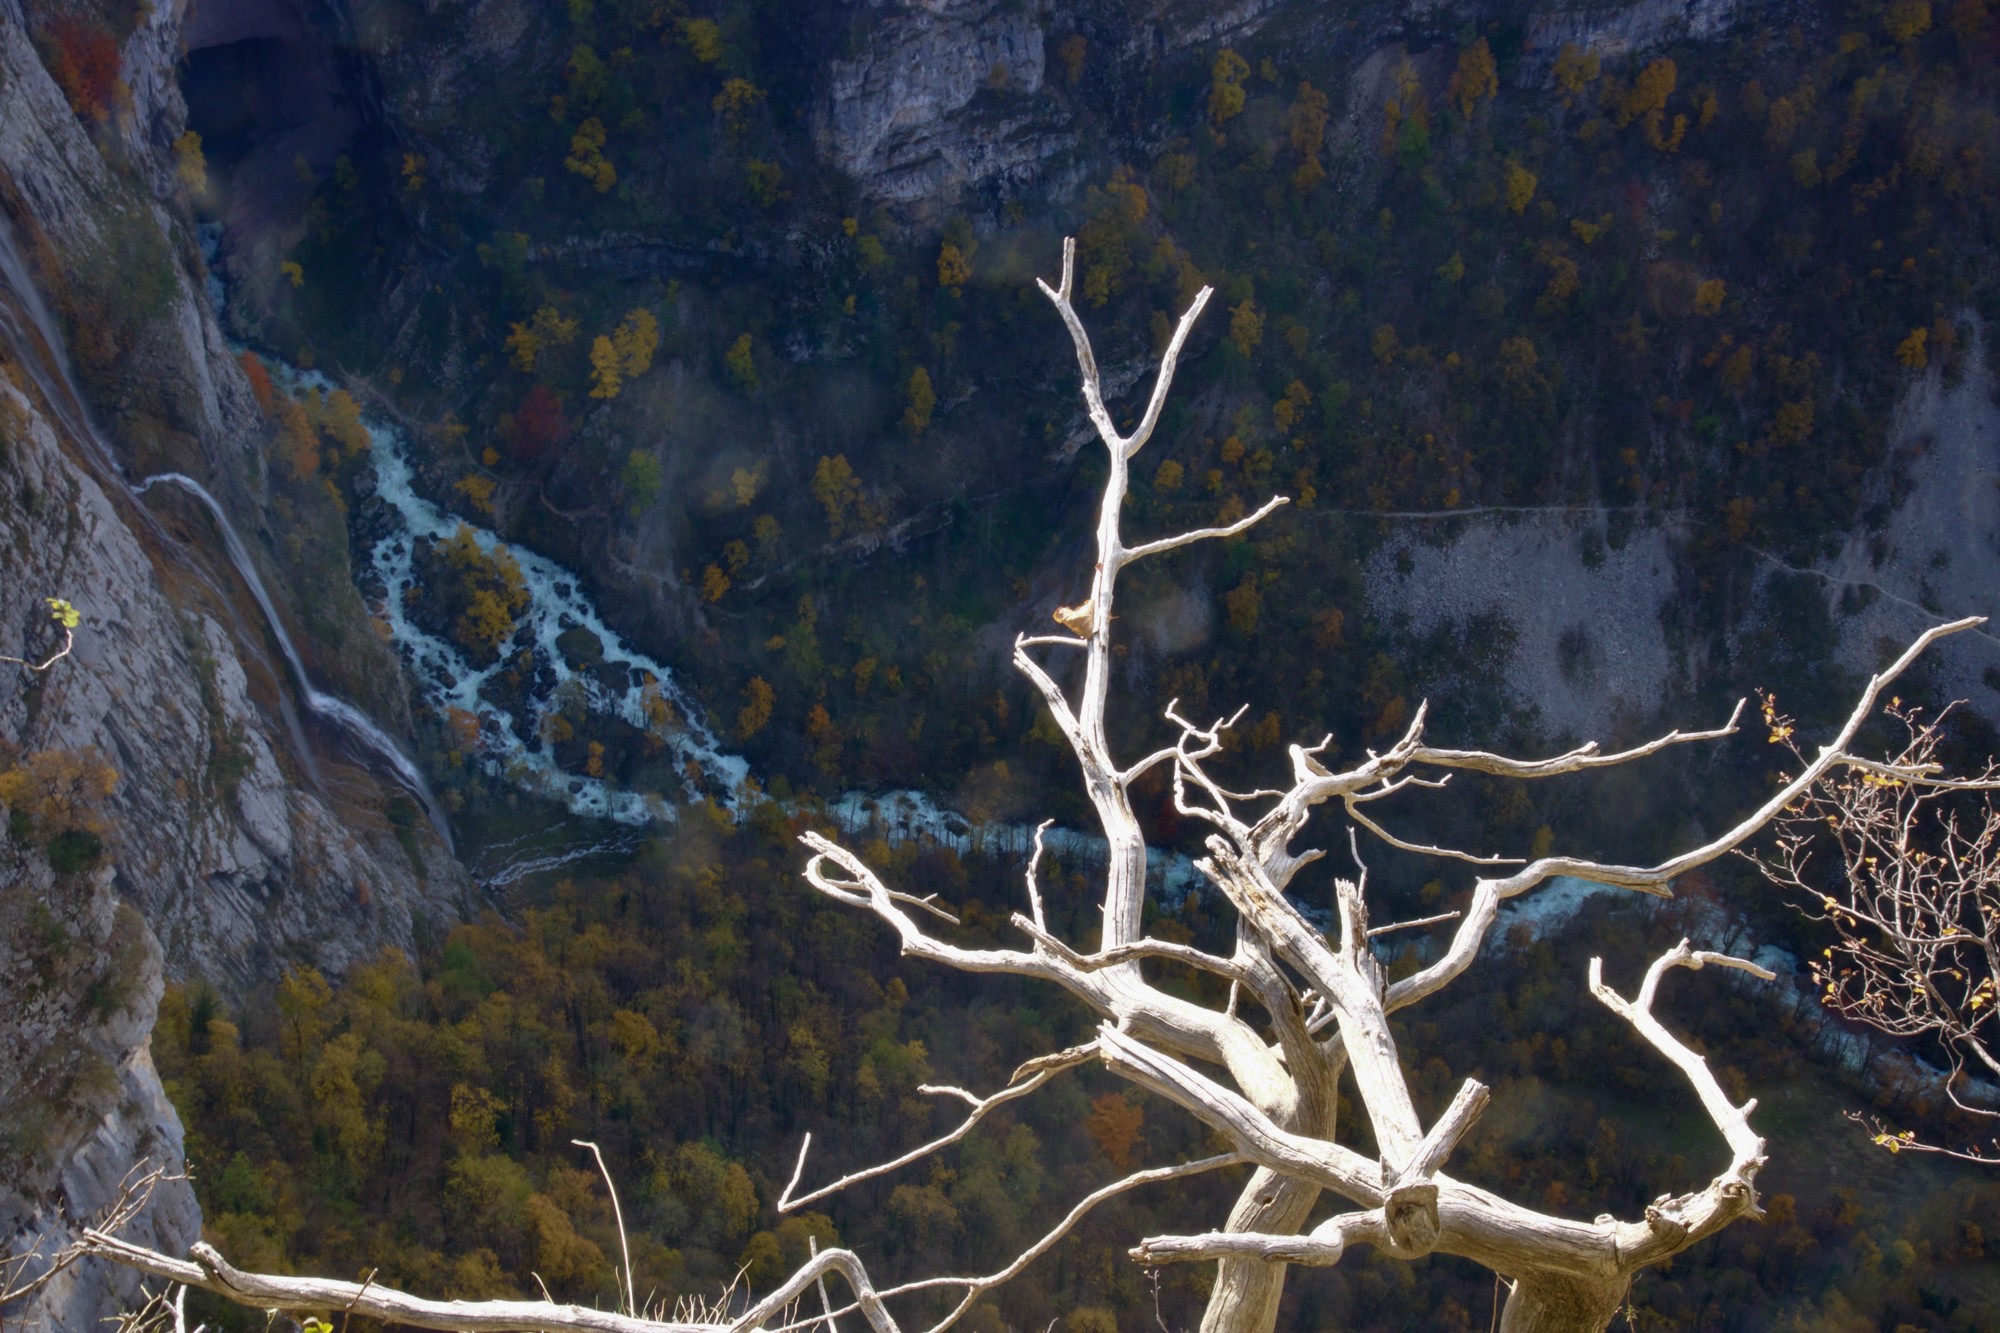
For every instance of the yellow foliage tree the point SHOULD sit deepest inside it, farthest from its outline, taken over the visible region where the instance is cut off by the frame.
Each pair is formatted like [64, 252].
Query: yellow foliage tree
[1246, 327]
[1476, 79]
[586, 156]
[1907, 20]
[734, 104]
[1407, 112]
[838, 490]
[548, 328]
[1225, 89]
[741, 364]
[953, 268]
[297, 442]
[605, 379]
[1290, 410]
[1574, 69]
[190, 164]
[477, 488]
[489, 587]
[923, 401]
[1243, 604]
[755, 714]
[1520, 186]
[60, 790]
[1305, 125]
[703, 39]
[337, 416]
[635, 340]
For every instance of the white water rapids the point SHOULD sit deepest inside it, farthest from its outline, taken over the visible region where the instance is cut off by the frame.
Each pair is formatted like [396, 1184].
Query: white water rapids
[624, 684]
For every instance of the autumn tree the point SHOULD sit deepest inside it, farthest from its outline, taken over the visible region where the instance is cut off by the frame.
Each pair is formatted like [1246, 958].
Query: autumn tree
[741, 363]
[547, 328]
[1900, 864]
[1476, 79]
[531, 429]
[486, 589]
[586, 156]
[922, 402]
[839, 493]
[1225, 89]
[85, 66]
[1306, 127]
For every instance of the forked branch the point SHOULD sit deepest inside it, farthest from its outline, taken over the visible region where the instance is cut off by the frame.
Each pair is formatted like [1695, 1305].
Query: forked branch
[1026, 1079]
[1735, 1186]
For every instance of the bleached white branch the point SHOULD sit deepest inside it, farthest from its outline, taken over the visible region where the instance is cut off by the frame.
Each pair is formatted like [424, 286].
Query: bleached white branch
[1166, 950]
[1426, 849]
[1579, 760]
[1033, 871]
[975, 1287]
[208, 1270]
[1321, 1247]
[1122, 447]
[1030, 1076]
[69, 642]
[1243, 524]
[1375, 932]
[1746, 1147]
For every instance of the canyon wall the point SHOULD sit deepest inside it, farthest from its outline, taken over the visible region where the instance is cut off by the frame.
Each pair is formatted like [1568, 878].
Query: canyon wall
[240, 836]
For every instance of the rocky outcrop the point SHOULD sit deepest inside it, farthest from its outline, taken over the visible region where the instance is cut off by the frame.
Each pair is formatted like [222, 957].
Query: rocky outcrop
[224, 827]
[1938, 554]
[1563, 623]
[81, 1105]
[951, 97]
[1626, 29]
[945, 96]
[226, 834]
[239, 836]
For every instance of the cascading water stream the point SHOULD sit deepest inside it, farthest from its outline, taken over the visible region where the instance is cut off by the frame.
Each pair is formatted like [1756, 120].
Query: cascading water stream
[44, 359]
[331, 707]
[624, 683]
[43, 353]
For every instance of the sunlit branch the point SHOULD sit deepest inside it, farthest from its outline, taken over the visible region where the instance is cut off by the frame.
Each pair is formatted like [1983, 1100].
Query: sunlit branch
[1165, 950]
[208, 1270]
[1030, 1076]
[1321, 1247]
[69, 642]
[1732, 1120]
[979, 1286]
[1243, 524]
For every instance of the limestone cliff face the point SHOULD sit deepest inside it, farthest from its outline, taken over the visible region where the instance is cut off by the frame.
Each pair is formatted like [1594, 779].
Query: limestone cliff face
[224, 827]
[952, 97]
[943, 97]
[80, 1101]
[228, 833]
[240, 835]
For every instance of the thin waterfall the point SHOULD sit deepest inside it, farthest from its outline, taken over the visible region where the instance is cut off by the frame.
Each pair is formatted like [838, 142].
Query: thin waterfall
[331, 707]
[43, 356]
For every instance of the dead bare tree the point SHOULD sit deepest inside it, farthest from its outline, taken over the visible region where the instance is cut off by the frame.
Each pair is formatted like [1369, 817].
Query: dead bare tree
[1269, 1086]
[1912, 894]
[1263, 1075]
